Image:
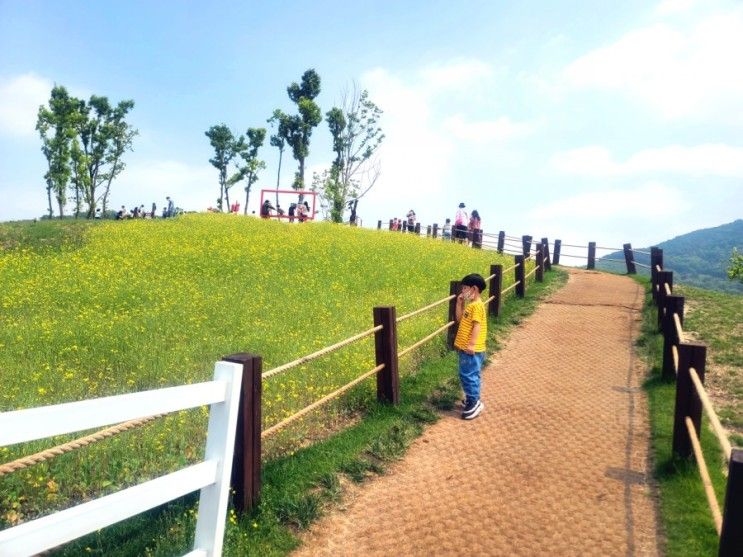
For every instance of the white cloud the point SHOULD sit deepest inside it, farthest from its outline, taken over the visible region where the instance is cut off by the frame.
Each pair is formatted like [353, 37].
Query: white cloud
[20, 98]
[701, 160]
[680, 70]
[647, 201]
[668, 7]
[501, 129]
[458, 74]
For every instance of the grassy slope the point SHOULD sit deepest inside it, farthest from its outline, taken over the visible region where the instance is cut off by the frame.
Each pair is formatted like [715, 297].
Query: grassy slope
[684, 510]
[90, 310]
[300, 487]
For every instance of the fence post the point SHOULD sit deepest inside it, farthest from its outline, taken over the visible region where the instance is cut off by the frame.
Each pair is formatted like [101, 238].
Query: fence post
[379, 225]
[673, 304]
[428, 231]
[496, 284]
[520, 273]
[556, 255]
[526, 244]
[435, 230]
[417, 228]
[390, 224]
[691, 354]
[656, 259]
[629, 259]
[540, 264]
[385, 348]
[454, 287]
[246, 462]
[731, 537]
[546, 254]
[591, 255]
[501, 240]
[477, 238]
[663, 277]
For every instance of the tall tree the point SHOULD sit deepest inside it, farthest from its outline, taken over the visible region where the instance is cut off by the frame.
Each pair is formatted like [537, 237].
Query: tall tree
[735, 270]
[356, 137]
[299, 126]
[55, 125]
[279, 140]
[251, 166]
[104, 137]
[226, 148]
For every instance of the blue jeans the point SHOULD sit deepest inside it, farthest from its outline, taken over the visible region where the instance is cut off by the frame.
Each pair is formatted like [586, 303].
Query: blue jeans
[470, 366]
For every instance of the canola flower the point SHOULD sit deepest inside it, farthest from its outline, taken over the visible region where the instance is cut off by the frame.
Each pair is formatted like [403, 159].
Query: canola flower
[145, 304]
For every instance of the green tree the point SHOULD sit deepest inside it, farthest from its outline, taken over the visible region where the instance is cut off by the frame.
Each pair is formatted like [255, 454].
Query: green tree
[55, 125]
[356, 137]
[249, 154]
[226, 148]
[104, 136]
[299, 126]
[735, 270]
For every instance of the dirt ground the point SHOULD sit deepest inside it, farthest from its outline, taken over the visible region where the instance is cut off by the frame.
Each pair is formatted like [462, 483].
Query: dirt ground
[557, 464]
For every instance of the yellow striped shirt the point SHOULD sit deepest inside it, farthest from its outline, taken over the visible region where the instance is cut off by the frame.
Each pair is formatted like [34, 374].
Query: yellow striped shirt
[473, 313]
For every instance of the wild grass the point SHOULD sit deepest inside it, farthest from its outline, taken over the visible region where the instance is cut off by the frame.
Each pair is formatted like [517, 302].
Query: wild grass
[686, 518]
[127, 306]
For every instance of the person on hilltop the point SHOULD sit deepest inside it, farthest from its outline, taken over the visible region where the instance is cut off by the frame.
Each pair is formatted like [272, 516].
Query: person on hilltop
[411, 219]
[474, 224]
[266, 209]
[470, 342]
[170, 211]
[446, 230]
[460, 224]
[292, 211]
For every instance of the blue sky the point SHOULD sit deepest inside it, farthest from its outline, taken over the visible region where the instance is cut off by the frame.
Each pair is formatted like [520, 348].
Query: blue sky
[583, 121]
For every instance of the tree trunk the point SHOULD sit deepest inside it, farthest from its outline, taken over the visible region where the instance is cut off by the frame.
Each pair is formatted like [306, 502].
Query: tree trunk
[278, 176]
[60, 203]
[49, 195]
[227, 198]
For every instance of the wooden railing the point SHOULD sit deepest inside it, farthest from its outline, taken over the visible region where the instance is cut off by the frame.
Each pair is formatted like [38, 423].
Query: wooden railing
[685, 362]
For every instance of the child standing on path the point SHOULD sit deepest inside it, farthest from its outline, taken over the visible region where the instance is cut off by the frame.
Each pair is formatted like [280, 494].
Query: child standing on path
[470, 342]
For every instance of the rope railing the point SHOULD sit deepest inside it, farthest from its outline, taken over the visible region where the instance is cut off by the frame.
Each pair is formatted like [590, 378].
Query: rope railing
[530, 273]
[679, 328]
[612, 259]
[704, 473]
[667, 289]
[307, 409]
[426, 308]
[509, 288]
[511, 268]
[642, 252]
[575, 256]
[641, 264]
[42, 456]
[321, 352]
[675, 356]
[714, 421]
[425, 339]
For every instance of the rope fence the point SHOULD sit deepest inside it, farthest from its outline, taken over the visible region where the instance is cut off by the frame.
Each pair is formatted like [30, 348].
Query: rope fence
[714, 421]
[426, 308]
[704, 473]
[425, 339]
[321, 352]
[42, 456]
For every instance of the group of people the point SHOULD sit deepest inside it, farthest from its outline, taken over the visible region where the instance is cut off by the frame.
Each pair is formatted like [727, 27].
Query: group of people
[408, 222]
[464, 225]
[298, 211]
[139, 212]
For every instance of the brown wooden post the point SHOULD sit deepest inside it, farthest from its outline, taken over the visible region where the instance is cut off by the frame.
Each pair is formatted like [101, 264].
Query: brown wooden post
[591, 255]
[246, 462]
[435, 231]
[501, 240]
[379, 225]
[629, 259]
[663, 278]
[519, 274]
[674, 304]
[691, 354]
[556, 255]
[417, 228]
[477, 238]
[540, 264]
[390, 224]
[385, 348]
[496, 285]
[428, 231]
[454, 287]
[546, 254]
[526, 244]
[731, 537]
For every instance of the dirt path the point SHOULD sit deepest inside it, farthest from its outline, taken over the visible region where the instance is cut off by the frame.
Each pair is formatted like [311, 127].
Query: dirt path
[557, 464]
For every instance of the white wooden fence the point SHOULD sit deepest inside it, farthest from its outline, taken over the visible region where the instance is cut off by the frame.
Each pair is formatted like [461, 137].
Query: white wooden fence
[211, 476]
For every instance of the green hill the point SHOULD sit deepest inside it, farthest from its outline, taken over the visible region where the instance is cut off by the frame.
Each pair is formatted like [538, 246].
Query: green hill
[699, 258]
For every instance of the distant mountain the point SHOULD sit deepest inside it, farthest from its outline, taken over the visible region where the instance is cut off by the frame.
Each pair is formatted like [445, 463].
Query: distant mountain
[699, 258]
